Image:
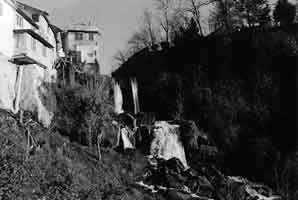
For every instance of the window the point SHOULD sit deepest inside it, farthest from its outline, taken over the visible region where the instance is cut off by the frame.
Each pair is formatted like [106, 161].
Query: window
[79, 56]
[20, 21]
[90, 54]
[33, 44]
[20, 41]
[91, 36]
[35, 17]
[44, 51]
[78, 36]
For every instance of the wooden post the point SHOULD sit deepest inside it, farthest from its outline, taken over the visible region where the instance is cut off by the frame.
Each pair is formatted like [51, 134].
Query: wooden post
[19, 82]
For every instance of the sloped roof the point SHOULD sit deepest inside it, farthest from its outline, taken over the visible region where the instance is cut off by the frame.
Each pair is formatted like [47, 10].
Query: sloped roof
[18, 9]
[82, 27]
[35, 10]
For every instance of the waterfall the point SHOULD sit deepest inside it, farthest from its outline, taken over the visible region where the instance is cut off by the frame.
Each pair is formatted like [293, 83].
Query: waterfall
[118, 98]
[134, 87]
[166, 143]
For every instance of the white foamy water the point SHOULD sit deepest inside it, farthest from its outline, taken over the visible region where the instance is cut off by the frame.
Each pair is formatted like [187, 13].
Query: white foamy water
[166, 143]
[134, 87]
[118, 98]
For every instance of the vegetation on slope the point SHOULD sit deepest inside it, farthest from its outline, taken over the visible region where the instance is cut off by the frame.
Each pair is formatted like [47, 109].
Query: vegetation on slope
[239, 87]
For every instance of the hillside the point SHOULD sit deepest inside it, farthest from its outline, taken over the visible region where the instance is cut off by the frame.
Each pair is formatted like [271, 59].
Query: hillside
[238, 87]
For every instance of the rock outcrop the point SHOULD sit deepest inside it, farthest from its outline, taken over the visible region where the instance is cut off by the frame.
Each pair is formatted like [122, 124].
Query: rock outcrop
[166, 143]
[169, 178]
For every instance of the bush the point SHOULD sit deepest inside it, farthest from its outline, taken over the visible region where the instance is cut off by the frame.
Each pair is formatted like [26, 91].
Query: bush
[85, 114]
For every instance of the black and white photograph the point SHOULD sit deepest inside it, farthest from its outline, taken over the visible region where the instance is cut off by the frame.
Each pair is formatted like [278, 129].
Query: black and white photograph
[148, 99]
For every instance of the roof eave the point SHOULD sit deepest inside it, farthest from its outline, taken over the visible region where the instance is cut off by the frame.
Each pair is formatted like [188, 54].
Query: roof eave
[35, 35]
[84, 31]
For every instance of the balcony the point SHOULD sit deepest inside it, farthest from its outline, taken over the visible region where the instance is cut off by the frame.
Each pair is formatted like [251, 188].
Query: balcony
[35, 35]
[24, 53]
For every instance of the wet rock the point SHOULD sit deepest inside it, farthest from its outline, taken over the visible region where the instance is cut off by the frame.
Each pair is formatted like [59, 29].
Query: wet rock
[166, 143]
[178, 195]
[167, 173]
[127, 119]
[143, 139]
[201, 185]
[170, 178]
[252, 191]
[189, 135]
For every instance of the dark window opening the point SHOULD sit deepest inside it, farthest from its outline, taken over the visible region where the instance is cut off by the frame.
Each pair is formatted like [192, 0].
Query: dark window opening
[78, 36]
[35, 17]
[91, 36]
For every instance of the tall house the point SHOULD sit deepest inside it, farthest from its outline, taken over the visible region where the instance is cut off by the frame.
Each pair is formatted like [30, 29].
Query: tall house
[83, 41]
[26, 36]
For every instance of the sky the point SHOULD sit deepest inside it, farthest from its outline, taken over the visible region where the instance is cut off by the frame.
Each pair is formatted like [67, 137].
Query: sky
[117, 19]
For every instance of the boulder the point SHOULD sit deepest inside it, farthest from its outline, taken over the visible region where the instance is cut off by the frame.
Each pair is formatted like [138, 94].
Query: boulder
[179, 195]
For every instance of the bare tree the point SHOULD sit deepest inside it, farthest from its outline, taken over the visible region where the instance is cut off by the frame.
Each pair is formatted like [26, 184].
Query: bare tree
[254, 12]
[225, 16]
[284, 12]
[119, 58]
[179, 18]
[193, 7]
[145, 36]
[165, 8]
[139, 40]
[149, 27]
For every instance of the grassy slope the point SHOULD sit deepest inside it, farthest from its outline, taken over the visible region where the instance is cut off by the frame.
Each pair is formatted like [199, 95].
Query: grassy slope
[60, 169]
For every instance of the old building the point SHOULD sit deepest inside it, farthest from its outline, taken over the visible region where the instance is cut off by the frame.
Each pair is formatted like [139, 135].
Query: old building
[81, 43]
[26, 35]
[29, 49]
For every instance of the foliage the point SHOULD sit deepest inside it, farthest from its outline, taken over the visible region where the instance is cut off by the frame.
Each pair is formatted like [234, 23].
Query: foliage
[284, 12]
[254, 12]
[85, 114]
[55, 168]
[232, 86]
[230, 15]
[225, 16]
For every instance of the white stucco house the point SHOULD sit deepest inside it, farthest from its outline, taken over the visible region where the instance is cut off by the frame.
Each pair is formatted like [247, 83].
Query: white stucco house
[29, 44]
[83, 41]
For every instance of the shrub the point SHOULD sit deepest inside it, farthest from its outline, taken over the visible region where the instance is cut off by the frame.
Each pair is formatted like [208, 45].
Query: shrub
[84, 114]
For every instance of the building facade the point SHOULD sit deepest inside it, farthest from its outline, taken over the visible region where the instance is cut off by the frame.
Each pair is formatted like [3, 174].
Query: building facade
[82, 40]
[26, 35]
[29, 49]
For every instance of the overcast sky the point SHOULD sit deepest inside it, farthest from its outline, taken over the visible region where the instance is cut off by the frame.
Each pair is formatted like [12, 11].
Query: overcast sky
[116, 18]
